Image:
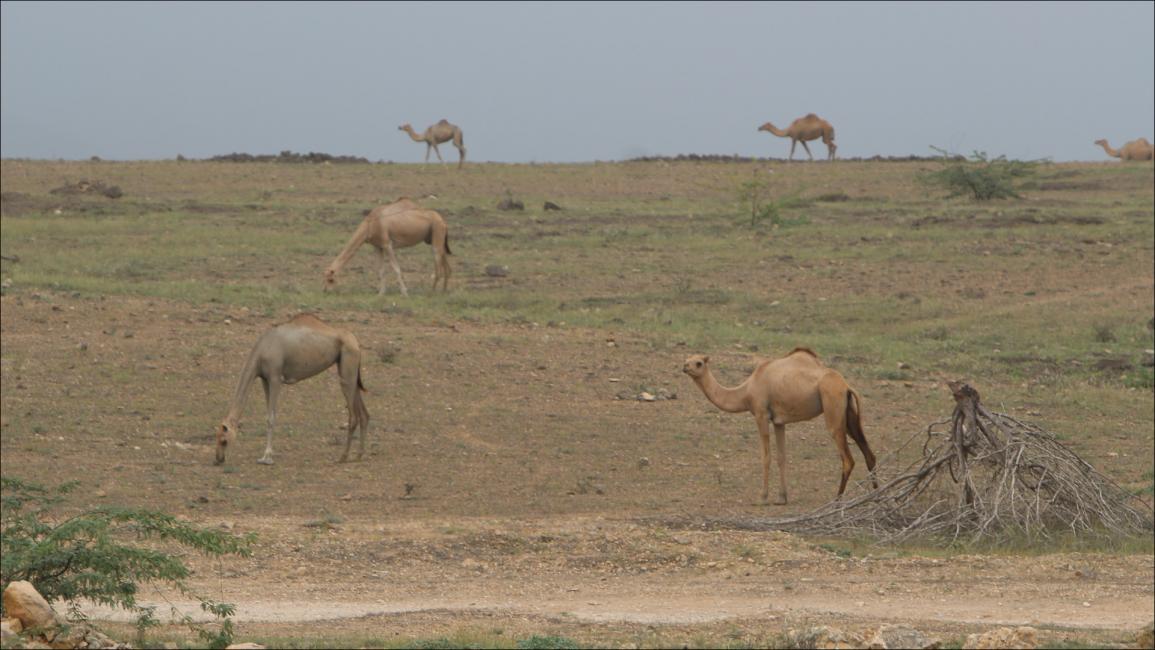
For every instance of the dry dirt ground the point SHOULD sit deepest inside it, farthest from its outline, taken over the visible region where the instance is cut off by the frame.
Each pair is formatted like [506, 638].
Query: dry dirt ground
[508, 488]
[583, 527]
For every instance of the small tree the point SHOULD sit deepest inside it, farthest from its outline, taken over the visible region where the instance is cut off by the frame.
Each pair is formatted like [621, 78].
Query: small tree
[755, 194]
[102, 555]
[980, 177]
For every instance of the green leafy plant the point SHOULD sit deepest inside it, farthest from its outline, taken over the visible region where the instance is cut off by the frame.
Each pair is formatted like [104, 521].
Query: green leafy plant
[980, 177]
[105, 554]
[755, 195]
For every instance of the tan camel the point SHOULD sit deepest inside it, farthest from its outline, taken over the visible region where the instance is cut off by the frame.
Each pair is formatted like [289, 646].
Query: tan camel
[400, 224]
[794, 388]
[289, 353]
[1134, 150]
[810, 127]
[439, 133]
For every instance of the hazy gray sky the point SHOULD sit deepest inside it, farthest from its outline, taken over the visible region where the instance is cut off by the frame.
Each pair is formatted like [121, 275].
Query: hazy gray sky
[571, 82]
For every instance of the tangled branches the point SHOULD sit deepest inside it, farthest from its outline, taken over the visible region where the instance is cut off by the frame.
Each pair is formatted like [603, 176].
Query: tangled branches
[993, 478]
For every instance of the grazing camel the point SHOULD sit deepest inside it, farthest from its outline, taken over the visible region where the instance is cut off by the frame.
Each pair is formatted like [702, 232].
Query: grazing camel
[291, 352]
[1134, 150]
[400, 224]
[439, 133]
[794, 388]
[810, 127]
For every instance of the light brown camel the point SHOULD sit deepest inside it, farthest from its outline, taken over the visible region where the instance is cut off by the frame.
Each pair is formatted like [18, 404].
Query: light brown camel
[794, 388]
[810, 127]
[400, 224]
[1134, 150]
[286, 354]
[439, 133]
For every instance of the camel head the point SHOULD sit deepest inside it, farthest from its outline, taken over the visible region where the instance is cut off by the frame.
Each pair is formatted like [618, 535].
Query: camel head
[405, 127]
[766, 127]
[1100, 142]
[696, 365]
[226, 433]
[330, 278]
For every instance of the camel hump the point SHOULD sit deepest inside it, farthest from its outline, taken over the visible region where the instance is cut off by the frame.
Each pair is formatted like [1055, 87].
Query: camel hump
[804, 349]
[443, 121]
[811, 116]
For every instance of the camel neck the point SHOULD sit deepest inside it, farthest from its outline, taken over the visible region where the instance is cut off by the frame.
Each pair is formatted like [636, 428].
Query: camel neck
[413, 135]
[237, 407]
[731, 400]
[1110, 152]
[358, 238]
[775, 130]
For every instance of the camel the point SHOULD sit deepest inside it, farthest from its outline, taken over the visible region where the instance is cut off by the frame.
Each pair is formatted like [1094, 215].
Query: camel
[289, 353]
[400, 224]
[1134, 150]
[803, 129]
[439, 133]
[794, 388]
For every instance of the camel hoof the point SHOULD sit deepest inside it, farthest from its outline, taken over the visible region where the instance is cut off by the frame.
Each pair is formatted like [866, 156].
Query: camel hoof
[265, 461]
[780, 501]
[343, 459]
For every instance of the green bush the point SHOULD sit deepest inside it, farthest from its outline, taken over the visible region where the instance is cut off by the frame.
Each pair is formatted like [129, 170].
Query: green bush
[538, 642]
[105, 554]
[979, 177]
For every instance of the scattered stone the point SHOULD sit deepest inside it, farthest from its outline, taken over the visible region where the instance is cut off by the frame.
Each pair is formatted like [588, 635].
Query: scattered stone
[496, 271]
[22, 601]
[643, 462]
[509, 204]
[550, 205]
[9, 628]
[245, 646]
[1004, 637]
[646, 397]
[900, 636]
[902, 365]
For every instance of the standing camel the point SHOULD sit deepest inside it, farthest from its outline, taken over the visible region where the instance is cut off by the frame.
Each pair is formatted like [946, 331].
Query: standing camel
[1134, 150]
[286, 354]
[810, 127]
[400, 224]
[794, 388]
[439, 133]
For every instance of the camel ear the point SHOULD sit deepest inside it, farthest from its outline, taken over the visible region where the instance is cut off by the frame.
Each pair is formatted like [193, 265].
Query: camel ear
[706, 359]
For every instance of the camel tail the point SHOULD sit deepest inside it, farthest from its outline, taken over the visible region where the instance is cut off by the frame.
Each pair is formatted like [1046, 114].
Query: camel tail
[360, 384]
[447, 251]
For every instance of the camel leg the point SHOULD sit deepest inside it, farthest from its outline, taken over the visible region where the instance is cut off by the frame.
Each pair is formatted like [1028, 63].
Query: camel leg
[807, 148]
[780, 443]
[396, 267]
[833, 396]
[438, 152]
[793, 143]
[763, 419]
[380, 272]
[427, 148]
[348, 367]
[272, 392]
[437, 255]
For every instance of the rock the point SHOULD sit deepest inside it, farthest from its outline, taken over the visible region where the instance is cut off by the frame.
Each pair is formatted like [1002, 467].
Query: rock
[1148, 358]
[496, 271]
[9, 628]
[899, 636]
[245, 646]
[822, 637]
[1003, 637]
[509, 204]
[646, 397]
[22, 601]
[550, 205]
[1146, 637]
